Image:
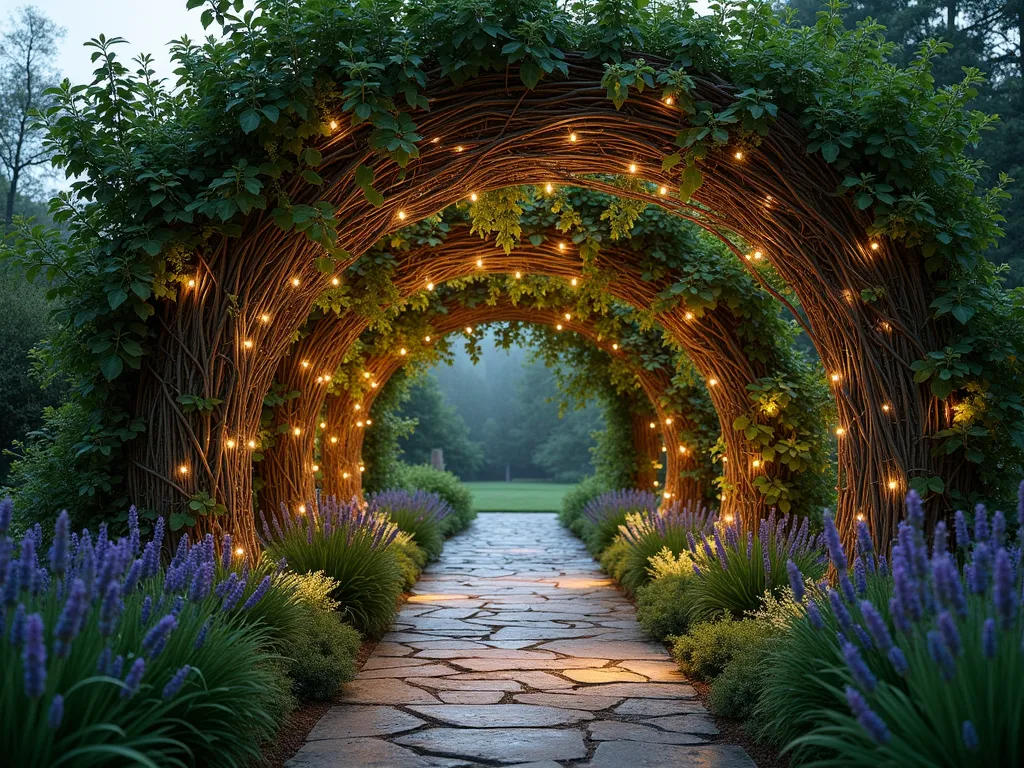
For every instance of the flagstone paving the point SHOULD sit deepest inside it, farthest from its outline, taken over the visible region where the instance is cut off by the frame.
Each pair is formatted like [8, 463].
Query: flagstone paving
[515, 650]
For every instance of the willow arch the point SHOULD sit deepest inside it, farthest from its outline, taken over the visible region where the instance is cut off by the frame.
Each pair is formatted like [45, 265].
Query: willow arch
[759, 132]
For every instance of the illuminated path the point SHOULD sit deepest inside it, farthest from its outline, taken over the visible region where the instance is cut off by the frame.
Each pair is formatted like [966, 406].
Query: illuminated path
[516, 650]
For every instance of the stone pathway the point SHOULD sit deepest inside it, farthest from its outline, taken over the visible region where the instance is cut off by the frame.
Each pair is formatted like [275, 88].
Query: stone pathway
[516, 650]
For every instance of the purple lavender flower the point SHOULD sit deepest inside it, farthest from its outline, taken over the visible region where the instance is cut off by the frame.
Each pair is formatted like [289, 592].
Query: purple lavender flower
[156, 639]
[869, 721]
[860, 577]
[55, 714]
[814, 615]
[131, 581]
[33, 657]
[796, 581]
[1003, 591]
[940, 539]
[225, 556]
[988, 638]
[898, 660]
[177, 605]
[202, 578]
[915, 510]
[134, 678]
[981, 569]
[865, 546]
[835, 546]
[231, 598]
[949, 591]
[133, 531]
[201, 637]
[981, 531]
[998, 537]
[950, 634]
[899, 615]
[720, 552]
[876, 626]
[750, 544]
[941, 655]
[175, 683]
[70, 622]
[18, 626]
[849, 594]
[970, 736]
[883, 566]
[117, 666]
[61, 541]
[905, 587]
[110, 609]
[861, 674]
[103, 661]
[963, 538]
[226, 586]
[12, 583]
[6, 510]
[257, 594]
[282, 565]
[147, 607]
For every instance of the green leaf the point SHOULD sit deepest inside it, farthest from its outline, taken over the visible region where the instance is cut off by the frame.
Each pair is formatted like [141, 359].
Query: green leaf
[691, 180]
[249, 120]
[312, 177]
[111, 367]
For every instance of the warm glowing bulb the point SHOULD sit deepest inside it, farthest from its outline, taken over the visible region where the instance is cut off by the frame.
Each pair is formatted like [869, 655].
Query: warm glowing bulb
[758, 255]
[182, 470]
[568, 316]
[426, 339]
[892, 485]
[230, 443]
[667, 495]
[558, 327]
[334, 439]
[725, 459]
[860, 516]
[574, 282]
[357, 407]
[656, 483]
[874, 245]
[401, 215]
[251, 443]
[362, 468]
[682, 449]
[373, 384]
[738, 155]
[335, 281]
[403, 351]
[573, 137]
[460, 148]
[239, 551]
[305, 363]
[302, 509]
[662, 191]
[323, 425]
[688, 315]
[886, 407]
[561, 246]
[346, 475]
[756, 463]
[632, 167]
[728, 518]
[548, 188]
[316, 467]
[435, 140]
[840, 431]
[297, 431]
[479, 263]
[264, 318]
[191, 283]
[369, 422]
[295, 282]
[519, 275]
[713, 382]
[319, 379]
[615, 346]
[247, 343]
[430, 286]
[653, 425]
[668, 421]
[669, 100]
[472, 196]
[359, 423]
[836, 377]
[334, 125]
[469, 330]
[366, 374]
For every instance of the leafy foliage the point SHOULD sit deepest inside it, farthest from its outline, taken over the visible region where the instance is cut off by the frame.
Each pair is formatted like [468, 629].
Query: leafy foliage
[447, 487]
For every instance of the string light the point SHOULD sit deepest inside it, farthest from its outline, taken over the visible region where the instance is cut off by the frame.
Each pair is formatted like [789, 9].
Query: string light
[247, 343]
[435, 140]
[362, 468]
[479, 263]
[874, 245]
[667, 495]
[264, 318]
[366, 374]
[459, 148]
[403, 351]
[334, 439]
[558, 327]
[519, 275]
[426, 339]
[728, 518]
[669, 100]
[548, 188]
[319, 379]
[295, 282]
[369, 422]
[358, 407]
[323, 425]
[758, 255]
[712, 382]
[860, 516]
[632, 167]
[191, 283]
[346, 475]
[574, 282]
[401, 215]
[230, 443]
[297, 431]
[738, 155]
[568, 316]
[688, 315]
[334, 125]
[893, 485]
[836, 377]
[682, 449]
[359, 423]
[725, 459]
[305, 363]
[615, 346]
[373, 384]
[182, 470]
[469, 331]
[662, 191]
[316, 467]
[653, 425]
[430, 286]
[251, 444]
[239, 551]
[668, 421]
[335, 281]
[886, 407]
[472, 197]
[756, 463]
[302, 509]
[656, 483]
[573, 137]
[840, 431]
[561, 246]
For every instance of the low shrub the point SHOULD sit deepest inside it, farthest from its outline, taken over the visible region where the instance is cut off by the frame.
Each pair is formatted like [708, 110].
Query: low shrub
[663, 607]
[419, 513]
[352, 545]
[571, 513]
[110, 658]
[447, 486]
[736, 691]
[410, 558]
[669, 530]
[735, 571]
[709, 647]
[921, 664]
[605, 513]
[614, 559]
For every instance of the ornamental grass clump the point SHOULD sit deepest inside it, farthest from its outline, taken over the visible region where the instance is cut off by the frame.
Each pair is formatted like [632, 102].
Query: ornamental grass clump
[648, 534]
[419, 513]
[107, 657]
[605, 513]
[924, 658]
[350, 543]
[735, 568]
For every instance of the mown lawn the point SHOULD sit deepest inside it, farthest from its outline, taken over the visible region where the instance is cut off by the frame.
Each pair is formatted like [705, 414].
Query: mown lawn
[518, 496]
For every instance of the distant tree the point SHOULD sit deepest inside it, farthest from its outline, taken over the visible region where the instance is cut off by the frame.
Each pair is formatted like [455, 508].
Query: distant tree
[438, 425]
[27, 52]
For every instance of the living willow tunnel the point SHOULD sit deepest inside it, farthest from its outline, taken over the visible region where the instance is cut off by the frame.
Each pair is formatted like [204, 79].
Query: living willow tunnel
[339, 426]
[206, 224]
[770, 409]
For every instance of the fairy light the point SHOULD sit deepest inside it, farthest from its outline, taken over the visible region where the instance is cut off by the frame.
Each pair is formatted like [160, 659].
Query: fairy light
[573, 137]
[334, 125]
[239, 551]
[369, 422]
[430, 286]
[251, 444]
[632, 167]
[403, 351]
[519, 275]
[479, 263]
[558, 327]
[296, 282]
[373, 384]
[323, 425]
[472, 197]
[738, 155]
[725, 459]
[568, 316]
[561, 246]
[548, 188]
[653, 425]
[688, 315]
[426, 339]
[893, 485]
[656, 483]
[191, 283]
[873, 245]
[183, 470]
[728, 518]
[366, 374]
[667, 495]
[836, 378]
[247, 344]
[297, 431]
[264, 318]
[435, 140]
[316, 467]
[302, 509]
[327, 377]
[357, 407]
[469, 331]
[886, 407]
[860, 517]
[712, 382]
[662, 191]
[668, 420]
[359, 423]
[758, 255]
[319, 379]
[460, 148]
[362, 468]
[334, 439]
[346, 475]
[756, 463]
[304, 363]
[840, 431]
[230, 443]
[574, 282]
[664, 449]
[615, 346]
[682, 449]
[401, 215]
[335, 281]
[669, 101]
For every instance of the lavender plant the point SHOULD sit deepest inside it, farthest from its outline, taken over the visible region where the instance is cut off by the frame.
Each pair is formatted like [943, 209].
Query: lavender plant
[419, 513]
[647, 534]
[927, 655]
[108, 657]
[605, 513]
[350, 543]
[736, 566]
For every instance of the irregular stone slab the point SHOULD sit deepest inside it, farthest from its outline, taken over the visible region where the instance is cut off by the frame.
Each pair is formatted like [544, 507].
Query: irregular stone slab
[500, 715]
[541, 764]
[636, 754]
[659, 707]
[429, 670]
[604, 675]
[390, 662]
[451, 684]
[638, 690]
[482, 653]
[612, 730]
[349, 721]
[533, 633]
[386, 691]
[609, 649]
[498, 665]
[391, 649]
[685, 724]
[658, 671]
[589, 703]
[541, 680]
[501, 745]
[471, 697]
[365, 753]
